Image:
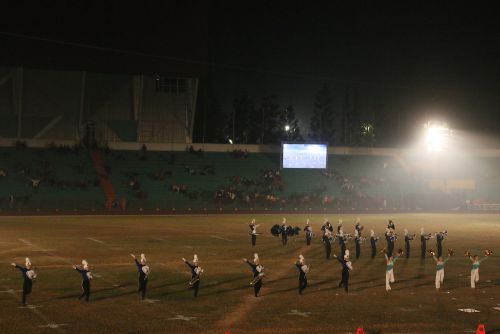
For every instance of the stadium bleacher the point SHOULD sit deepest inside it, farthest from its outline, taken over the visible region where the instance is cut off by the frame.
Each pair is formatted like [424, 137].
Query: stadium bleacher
[196, 180]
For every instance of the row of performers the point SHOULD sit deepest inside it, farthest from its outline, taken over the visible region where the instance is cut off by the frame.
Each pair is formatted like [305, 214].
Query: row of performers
[329, 237]
[29, 275]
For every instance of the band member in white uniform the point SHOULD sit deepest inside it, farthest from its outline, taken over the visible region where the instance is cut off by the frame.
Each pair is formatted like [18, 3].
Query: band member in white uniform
[258, 273]
[143, 270]
[196, 271]
[303, 270]
[29, 275]
[84, 271]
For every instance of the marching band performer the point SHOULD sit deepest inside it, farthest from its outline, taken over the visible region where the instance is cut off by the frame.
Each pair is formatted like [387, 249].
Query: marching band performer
[423, 242]
[408, 238]
[357, 242]
[440, 262]
[303, 270]
[308, 232]
[28, 276]
[439, 241]
[390, 225]
[327, 241]
[284, 232]
[253, 231]
[390, 237]
[346, 268]
[144, 270]
[389, 270]
[373, 243]
[195, 274]
[86, 278]
[258, 273]
[342, 240]
[358, 226]
[474, 273]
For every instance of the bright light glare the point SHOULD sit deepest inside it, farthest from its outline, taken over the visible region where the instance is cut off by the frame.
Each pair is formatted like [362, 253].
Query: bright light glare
[230, 141]
[436, 137]
[287, 127]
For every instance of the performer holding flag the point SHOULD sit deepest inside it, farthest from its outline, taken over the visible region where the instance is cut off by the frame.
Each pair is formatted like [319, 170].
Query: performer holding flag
[303, 270]
[258, 273]
[86, 278]
[346, 268]
[29, 275]
[195, 274]
[389, 270]
[144, 270]
[440, 267]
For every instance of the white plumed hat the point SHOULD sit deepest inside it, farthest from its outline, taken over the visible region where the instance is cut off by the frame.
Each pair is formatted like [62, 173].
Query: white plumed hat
[301, 257]
[195, 258]
[421, 231]
[28, 262]
[307, 221]
[346, 255]
[358, 220]
[253, 221]
[406, 231]
[143, 258]
[372, 233]
[340, 221]
[85, 264]
[255, 257]
[284, 220]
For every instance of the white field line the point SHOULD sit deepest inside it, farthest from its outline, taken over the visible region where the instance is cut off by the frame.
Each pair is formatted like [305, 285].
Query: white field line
[221, 238]
[113, 284]
[96, 240]
[37, 312]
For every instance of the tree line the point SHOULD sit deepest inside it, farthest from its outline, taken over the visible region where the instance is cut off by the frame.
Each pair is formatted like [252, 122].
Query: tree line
[268, 122]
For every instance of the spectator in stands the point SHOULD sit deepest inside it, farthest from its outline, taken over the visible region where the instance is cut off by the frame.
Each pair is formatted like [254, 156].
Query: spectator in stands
[2, 173]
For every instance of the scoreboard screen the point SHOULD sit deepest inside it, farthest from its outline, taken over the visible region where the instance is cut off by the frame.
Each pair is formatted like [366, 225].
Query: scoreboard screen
[309, 156]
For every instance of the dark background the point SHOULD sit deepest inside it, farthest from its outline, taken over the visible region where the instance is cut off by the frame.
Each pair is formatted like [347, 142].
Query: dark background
[406, 62]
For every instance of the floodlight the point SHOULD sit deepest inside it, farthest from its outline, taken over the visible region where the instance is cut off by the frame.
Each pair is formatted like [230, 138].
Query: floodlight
[436, 137]
[287, 127]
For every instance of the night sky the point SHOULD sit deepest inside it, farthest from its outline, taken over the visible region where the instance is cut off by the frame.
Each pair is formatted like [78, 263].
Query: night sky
[411, 60]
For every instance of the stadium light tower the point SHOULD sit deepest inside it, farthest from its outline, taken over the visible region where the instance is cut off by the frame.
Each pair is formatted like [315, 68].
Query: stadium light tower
[437, 136]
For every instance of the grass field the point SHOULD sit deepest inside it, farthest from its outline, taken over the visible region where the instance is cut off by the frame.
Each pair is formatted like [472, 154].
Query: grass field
[226, 301]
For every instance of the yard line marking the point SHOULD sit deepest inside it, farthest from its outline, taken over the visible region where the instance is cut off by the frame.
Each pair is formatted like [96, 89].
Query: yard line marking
[12, 250]
[298, 313]
[33, 309]
[26, 242]
[221, 238]
[249, 302]
[98, 241]
[181, 317]
[53, 326]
